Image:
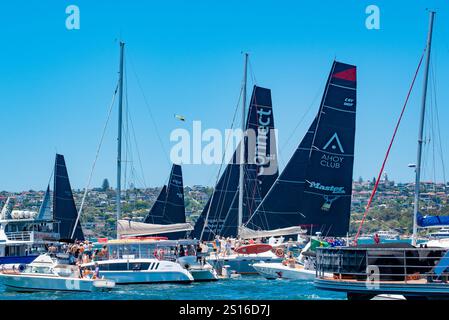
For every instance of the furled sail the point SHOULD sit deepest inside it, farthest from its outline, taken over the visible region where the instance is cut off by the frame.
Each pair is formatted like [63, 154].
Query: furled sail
[245, 233]
[432, 221]
[260, 171]
[45, 213]
[131, 228]
[314, 190]
[64, 209]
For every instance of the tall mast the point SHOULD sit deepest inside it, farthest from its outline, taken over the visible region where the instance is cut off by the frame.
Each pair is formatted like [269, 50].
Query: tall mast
[119, 138]
[242, 144]
[421, 129]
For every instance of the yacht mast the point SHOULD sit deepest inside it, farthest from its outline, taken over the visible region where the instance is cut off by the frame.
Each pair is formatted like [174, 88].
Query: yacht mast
[421, 129]
[242, 144]
[119, 138]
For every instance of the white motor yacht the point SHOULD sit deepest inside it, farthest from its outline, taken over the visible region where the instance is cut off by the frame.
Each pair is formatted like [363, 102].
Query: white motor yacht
[46, 274]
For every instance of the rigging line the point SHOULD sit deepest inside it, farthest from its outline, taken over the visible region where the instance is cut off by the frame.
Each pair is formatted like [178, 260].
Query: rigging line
[126, 129]
[149, 111]
[221, 165]
[312, 104]
[435, 115]
[95, 161]
[139, 158]
[251, 72]
[373, 193]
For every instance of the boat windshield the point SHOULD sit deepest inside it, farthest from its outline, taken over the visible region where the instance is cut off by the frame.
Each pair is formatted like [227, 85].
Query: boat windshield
[148, 250]
[38, 270]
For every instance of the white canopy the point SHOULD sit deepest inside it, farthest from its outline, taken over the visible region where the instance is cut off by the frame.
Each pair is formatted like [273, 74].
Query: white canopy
[131, 228]
[246, 233]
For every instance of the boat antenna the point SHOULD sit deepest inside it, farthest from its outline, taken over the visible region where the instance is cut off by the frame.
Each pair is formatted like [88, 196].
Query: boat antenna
[242, 144]
[421, 128]
[119, 137]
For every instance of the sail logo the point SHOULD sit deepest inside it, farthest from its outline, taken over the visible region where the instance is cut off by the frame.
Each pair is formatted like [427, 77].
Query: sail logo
[334, 143]
[333, 161]
[266, 162]
[333, 189]
[349, 102]
[329, 200]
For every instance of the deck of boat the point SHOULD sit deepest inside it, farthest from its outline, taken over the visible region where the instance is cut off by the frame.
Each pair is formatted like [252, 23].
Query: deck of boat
[418, 287]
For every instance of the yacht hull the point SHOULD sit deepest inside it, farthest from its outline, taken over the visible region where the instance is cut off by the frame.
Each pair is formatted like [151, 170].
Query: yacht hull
[24, 283]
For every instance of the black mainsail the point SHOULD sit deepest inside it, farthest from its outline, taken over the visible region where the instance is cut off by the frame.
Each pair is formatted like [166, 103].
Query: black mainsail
[314, 190]
[169, 207]
[64, 209]
[260, 171]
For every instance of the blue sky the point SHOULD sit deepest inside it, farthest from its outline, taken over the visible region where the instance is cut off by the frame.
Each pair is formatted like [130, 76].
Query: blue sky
[57, 84]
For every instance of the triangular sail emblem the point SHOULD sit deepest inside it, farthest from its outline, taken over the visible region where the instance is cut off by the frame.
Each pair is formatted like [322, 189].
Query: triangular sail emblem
[334, 142]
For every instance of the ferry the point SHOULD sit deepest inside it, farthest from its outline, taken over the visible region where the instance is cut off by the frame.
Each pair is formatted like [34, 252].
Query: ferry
[24, 236]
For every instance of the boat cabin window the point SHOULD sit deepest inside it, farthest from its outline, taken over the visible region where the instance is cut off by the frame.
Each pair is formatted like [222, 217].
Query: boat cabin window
[38, 270]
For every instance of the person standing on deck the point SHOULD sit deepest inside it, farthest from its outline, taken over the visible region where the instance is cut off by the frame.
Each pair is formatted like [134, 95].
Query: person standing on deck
[376, 239]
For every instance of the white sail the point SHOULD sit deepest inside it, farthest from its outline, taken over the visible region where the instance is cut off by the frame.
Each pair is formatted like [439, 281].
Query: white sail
[246, 233]
[131, 228]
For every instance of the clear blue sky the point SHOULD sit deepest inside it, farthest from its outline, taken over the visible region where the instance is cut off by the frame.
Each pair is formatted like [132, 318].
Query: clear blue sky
[57, 84]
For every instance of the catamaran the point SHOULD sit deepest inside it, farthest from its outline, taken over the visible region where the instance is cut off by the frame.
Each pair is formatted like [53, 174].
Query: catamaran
[133, 257]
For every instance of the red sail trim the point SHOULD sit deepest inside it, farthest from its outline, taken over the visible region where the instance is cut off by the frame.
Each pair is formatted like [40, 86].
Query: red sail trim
[349, 74]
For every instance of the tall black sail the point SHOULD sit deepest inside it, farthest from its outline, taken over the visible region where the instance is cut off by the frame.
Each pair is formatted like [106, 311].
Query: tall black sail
[169, 207]
[156, 214]
[261, 170]
[314, 190]
[261, 167]
[64, 209]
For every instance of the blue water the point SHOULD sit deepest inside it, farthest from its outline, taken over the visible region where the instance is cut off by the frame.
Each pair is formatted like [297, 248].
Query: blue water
[245, 288]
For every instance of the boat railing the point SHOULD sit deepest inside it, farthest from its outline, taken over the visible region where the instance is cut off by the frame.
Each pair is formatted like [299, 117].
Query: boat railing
[383, 264]
[19, 236]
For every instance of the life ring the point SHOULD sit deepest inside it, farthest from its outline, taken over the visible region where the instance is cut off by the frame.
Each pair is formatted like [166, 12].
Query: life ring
[279, 252]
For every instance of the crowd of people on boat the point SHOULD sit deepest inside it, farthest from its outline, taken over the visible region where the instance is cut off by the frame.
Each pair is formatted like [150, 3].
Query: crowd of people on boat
[80, 252]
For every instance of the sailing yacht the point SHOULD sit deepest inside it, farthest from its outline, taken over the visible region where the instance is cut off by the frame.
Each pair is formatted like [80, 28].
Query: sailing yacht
[133, 259]
[314, 190]
[26, 235]
[243, 184]
[415, 272]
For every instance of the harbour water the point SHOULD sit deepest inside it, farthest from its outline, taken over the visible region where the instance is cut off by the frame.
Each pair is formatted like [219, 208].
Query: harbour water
[245, 288]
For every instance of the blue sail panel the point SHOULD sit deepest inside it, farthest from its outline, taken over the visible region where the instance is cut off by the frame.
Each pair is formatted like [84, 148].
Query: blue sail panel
[45, 213]
[432, 221]
[64, 209]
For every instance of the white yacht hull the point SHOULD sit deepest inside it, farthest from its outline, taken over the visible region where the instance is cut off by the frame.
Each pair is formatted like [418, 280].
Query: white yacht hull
[279, 271]
[124, 272]
[242, 264]
[25, 283]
